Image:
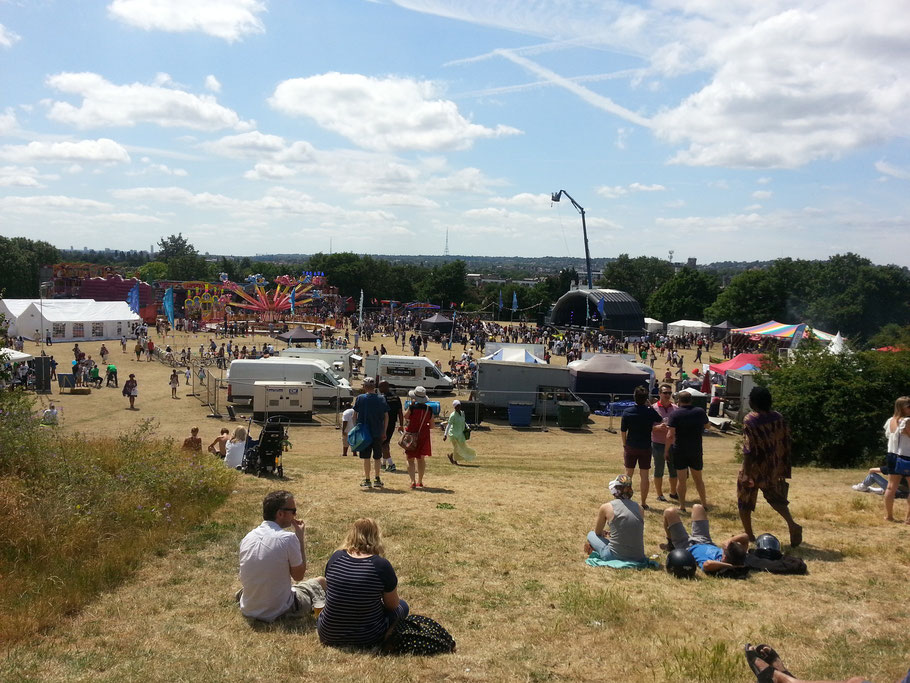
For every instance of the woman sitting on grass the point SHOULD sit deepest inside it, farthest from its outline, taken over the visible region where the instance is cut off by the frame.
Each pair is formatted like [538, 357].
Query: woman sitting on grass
[235, 448]
[362, 605]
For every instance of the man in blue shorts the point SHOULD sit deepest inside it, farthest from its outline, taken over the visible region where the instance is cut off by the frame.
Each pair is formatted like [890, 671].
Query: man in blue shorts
[370, 409]
[710, 557]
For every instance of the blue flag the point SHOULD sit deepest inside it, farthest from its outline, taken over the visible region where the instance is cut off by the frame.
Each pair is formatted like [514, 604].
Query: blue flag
[500, 299]
[514, 301]
[600, 308]
[132, 298]
[293, 296]
[169, 305]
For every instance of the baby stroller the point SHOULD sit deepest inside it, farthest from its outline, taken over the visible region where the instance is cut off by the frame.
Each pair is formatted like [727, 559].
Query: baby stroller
[264, 456]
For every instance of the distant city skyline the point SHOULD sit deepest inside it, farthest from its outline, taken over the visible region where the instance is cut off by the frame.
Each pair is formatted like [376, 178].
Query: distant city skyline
[728, 131]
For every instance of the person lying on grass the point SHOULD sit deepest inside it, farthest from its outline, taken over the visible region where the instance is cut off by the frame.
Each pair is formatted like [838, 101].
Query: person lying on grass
[767, 666]
[710, 557]
[271, 558]
[625, 522]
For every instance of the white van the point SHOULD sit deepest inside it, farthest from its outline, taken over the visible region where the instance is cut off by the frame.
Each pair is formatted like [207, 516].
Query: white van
[340, 360]
[242, 376]
[407, 372]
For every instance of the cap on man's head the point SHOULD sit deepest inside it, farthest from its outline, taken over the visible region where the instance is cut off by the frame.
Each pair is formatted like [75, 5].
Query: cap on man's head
[369, 381]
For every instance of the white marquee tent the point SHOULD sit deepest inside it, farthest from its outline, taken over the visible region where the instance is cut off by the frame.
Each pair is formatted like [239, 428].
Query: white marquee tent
[652, 325]
[686, 326]
[12, 309]
[79, 319]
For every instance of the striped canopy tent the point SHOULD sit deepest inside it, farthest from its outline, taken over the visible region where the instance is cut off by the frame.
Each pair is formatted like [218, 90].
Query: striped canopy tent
[772, 328]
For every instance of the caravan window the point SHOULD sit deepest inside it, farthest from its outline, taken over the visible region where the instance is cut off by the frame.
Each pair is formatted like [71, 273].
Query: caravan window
[97, 329]
[323, 379]
[59, 330]
[400, 371]
[78, 329]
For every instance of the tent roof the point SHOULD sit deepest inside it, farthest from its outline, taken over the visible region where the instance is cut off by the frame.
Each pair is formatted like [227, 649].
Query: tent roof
[514, 355]
[689, 323]
[82, 311]
[725, 325]
[17, 307]
[652, 321]
[299, 333]
[437, 318]
[607, 364]
[739, 362]
[13, 356]
[772, 328]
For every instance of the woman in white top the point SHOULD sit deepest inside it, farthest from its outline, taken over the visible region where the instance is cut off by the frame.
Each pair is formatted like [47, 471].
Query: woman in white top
[897, 431]
[234, 451]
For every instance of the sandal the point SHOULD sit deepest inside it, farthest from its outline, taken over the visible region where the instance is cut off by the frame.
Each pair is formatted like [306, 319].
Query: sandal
[765, 675]
[769, 656]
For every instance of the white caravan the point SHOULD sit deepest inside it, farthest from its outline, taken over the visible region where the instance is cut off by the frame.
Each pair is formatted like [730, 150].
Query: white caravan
[407, 372]
[242, 376]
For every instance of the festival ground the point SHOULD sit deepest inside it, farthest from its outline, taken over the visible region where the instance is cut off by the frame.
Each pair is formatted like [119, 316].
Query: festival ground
[493, 552]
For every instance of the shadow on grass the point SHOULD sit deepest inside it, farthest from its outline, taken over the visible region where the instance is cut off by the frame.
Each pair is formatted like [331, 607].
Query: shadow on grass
[285, 625]
[808, 552]
[432, 489]
[382, 490]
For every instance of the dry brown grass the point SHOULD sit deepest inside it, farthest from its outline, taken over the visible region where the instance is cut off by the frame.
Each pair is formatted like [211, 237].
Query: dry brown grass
[502, 570]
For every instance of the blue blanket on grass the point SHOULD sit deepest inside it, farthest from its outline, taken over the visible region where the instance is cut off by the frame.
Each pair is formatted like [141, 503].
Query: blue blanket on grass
[595, 561]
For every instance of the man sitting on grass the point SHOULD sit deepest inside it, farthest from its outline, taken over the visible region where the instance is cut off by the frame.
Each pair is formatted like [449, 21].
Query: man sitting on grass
[625, 522]
[270, 559]
[711, 558]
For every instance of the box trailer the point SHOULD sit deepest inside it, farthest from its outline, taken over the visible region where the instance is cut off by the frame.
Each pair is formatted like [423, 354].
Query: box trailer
[500, 383]
[291, 400]
[738, 385]
[340, 360]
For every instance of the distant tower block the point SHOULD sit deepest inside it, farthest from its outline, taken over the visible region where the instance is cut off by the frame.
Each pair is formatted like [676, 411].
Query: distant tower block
[446, 250]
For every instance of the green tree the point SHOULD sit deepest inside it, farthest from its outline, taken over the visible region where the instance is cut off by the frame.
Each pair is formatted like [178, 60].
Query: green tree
[22, 260]
[893, 335]
[153, 271]
[752, 297]
[641, 276]
[851, 394]
[684, 296]
[175, 246]
[444, 284]
[188, 267]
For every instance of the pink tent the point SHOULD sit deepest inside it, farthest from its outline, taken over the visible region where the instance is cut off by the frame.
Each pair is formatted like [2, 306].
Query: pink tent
[743, 361]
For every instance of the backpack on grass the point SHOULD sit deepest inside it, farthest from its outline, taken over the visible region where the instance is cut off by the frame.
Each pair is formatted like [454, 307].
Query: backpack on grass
[417, 635]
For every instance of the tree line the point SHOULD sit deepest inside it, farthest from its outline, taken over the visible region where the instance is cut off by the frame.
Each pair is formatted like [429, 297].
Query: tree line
[846, 293]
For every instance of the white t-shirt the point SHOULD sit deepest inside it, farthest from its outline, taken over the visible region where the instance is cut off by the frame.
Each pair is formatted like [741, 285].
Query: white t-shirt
[897, 443]
[347, 419]
[267, 554]
[234, 453]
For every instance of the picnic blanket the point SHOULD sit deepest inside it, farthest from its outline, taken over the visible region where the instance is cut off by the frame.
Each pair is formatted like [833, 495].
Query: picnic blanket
[595, 561]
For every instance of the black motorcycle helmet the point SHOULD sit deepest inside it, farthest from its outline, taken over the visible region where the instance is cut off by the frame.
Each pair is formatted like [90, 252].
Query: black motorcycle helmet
[681, 564]
[767, 547]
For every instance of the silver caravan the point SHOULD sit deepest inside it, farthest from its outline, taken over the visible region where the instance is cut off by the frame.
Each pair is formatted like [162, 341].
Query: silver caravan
[502, 382]
[340, 360]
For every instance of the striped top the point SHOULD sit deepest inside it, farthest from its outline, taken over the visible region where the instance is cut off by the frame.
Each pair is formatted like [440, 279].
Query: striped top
[354, 614]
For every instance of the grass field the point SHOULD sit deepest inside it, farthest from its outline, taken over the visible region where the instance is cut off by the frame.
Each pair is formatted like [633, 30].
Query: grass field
[494, 552]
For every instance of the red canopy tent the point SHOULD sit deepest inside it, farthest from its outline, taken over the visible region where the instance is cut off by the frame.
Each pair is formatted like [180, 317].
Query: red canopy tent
[742, 361]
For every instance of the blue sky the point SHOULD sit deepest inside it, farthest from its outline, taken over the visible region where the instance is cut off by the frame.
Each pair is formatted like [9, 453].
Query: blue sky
[725, 130]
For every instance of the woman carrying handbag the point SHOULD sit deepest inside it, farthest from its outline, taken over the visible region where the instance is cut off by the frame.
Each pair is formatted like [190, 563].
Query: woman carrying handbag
[416, 439]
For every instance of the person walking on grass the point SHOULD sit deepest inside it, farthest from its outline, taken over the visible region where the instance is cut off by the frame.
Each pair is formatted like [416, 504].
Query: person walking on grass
[635, 428]
[766, 464]
[131, 390]
[897, 431]
[370, 410]
[684, 437]
[273, 564]
[174, 383]
[419, 421]
[458, 431]
[396, 414]
[664, 407]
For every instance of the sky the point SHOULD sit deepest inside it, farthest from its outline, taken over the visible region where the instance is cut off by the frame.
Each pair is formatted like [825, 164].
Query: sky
[718, 129]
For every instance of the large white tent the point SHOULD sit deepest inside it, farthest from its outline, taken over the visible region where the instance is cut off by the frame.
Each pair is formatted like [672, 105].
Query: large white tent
[514, 356]
[681, 327]
[12, 309]
[79, 319]
[652, 325]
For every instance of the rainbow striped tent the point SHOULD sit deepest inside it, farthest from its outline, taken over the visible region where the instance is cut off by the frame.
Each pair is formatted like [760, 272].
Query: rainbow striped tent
[772, 328]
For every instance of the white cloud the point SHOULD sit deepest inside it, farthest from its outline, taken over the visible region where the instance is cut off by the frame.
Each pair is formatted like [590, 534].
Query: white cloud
[7, 37]
[42, 203]
[8, 122]
[616, 191]
[266, 171]
[107, 104]
[21, 176]
[382, 114]
[762, 194]
[227, 19]
[212, 83]
[753, 207]
[525, 200]
[892, 170]
[764, 180]
[675, 203]
[249, 145]
[102, 150]
[397, 200]
[163, 169]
